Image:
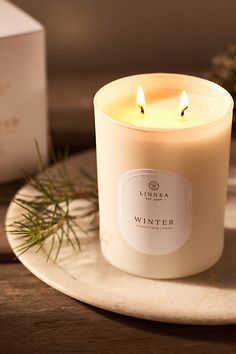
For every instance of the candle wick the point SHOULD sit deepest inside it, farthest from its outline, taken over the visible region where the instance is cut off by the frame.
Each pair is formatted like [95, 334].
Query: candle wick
[141, 109]
[182, 112]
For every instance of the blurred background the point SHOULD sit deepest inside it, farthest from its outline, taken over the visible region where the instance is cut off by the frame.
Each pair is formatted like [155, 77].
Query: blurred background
[91, 42]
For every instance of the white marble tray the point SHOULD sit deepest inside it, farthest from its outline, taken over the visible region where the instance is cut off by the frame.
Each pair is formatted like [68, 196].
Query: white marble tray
[208, 298]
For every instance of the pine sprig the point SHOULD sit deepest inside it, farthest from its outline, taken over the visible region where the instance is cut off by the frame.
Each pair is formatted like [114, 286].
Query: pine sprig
[48, 215]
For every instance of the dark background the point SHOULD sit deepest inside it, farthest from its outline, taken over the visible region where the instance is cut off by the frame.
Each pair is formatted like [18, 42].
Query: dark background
[91, 42]
[135, 35]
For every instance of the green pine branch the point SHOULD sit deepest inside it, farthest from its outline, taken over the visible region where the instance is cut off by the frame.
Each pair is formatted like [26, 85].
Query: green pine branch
[47, 215]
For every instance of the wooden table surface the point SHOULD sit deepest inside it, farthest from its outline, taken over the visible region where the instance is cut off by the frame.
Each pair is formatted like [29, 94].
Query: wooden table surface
[36, 318]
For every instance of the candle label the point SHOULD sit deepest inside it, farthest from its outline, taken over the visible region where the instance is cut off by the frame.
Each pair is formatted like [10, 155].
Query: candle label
[155, 210]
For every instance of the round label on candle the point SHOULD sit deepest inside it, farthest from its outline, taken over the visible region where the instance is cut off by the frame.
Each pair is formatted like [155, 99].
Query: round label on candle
[155, 210]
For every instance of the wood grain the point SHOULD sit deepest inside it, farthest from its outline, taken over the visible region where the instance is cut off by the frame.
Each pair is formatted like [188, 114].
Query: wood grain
[34, 317]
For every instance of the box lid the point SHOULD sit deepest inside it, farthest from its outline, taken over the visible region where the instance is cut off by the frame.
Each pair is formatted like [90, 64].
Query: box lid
[14, 21]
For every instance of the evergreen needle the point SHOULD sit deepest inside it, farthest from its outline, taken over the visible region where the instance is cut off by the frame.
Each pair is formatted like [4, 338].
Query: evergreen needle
[47, 215]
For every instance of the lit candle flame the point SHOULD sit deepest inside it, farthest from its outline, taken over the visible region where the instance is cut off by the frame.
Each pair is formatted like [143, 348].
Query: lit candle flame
[183, 102]
[140, 100]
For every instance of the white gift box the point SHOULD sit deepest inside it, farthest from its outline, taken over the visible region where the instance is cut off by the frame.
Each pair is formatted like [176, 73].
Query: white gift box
[23, 111]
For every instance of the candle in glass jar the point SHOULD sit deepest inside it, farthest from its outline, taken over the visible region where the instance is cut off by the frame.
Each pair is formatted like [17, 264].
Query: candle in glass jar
[162, 110]
[162, 173]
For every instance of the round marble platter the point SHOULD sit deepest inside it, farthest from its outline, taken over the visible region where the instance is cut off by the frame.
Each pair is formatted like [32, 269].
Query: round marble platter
[208, 298]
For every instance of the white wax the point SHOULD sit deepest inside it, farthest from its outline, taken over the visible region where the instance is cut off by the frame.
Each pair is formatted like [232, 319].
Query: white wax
[162, 110]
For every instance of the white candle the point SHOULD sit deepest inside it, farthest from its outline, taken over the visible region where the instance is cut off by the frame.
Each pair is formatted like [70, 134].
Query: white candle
[162, 110]
[162, 177]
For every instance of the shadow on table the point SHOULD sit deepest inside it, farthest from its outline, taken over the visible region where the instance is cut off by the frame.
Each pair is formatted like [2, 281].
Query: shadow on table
[223, 273]
[216, 334]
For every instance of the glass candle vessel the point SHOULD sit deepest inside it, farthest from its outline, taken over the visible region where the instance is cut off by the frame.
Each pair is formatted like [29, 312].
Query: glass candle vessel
[162, 173]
